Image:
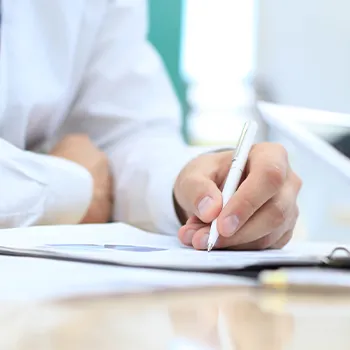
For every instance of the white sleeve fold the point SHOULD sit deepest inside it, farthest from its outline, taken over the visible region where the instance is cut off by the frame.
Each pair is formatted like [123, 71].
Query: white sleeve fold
[37, 189]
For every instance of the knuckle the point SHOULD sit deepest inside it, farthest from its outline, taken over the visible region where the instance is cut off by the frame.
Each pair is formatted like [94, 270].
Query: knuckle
[277, 214]
[269, 146]
[260, 147]
[190, 186]
[281, 150]
[275, 176]
[249, 207]
[188, 182]
[294, 218]
[297, 212]
[286, 239]
[264, 242]
[298, 182]
[277, 149]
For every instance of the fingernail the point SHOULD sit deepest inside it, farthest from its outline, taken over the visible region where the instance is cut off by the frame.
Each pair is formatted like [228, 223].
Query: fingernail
[188, 236]
[203, 243]
[230, 225]
[204, 205]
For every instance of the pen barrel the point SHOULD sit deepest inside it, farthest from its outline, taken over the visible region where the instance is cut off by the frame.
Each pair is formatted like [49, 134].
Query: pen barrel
[231, 183]
[235, 173]
[239, 161]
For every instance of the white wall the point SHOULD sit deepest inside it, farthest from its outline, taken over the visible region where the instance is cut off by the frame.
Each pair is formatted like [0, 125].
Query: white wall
[303, 52]
[217, 56]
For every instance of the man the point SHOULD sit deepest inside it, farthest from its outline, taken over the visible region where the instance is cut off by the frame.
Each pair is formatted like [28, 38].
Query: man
[79, 80]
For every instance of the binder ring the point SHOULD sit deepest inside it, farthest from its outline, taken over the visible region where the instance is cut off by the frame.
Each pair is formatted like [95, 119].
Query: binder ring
[330, 259]
[334, 251]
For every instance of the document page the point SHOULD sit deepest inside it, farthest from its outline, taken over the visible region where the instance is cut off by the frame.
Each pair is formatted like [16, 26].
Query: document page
[124, 245]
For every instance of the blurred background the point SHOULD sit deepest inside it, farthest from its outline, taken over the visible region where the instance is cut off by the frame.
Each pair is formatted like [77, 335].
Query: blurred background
[223, 55]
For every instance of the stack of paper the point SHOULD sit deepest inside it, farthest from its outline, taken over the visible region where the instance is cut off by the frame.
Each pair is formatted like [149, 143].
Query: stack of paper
[123, 245]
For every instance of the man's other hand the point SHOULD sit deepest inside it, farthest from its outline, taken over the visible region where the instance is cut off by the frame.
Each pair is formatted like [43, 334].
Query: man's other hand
[80, 149]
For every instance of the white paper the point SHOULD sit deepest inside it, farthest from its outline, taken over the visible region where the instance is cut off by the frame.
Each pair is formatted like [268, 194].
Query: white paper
[27, 279]
[168, 253]
[87, 234]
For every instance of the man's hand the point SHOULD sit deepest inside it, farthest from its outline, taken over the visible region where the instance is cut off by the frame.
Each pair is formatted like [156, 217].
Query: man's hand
[79, 149]
[260, 215]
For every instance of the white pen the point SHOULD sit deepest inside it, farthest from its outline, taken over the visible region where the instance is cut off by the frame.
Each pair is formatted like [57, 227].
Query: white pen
[239, 161]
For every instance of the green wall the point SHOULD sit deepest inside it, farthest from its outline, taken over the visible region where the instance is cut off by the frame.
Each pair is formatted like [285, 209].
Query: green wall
[166, 20]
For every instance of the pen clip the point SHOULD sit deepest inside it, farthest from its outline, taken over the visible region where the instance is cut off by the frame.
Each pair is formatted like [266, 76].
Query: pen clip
[240, 141]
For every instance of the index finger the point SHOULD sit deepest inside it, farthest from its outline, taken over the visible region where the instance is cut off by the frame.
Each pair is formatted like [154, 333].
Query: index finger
[267, 170]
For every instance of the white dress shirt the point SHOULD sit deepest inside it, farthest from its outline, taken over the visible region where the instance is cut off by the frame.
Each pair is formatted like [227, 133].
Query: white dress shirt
[84, 66]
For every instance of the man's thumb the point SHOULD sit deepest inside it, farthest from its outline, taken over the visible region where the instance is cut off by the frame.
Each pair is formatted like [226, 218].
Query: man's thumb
[204, 199]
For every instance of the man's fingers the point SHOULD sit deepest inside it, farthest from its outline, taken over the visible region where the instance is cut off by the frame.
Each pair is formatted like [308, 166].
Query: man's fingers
[197, 188]
[187, 232]
[262, 243]
[200, 239]
[193, 220]
[284, 240]
[276, 240]
[195, 235]
[201, 196]
[276, 213]
[267, 172]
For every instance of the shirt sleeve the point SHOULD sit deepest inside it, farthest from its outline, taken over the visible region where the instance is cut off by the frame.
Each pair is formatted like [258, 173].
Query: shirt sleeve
[39, 189]
[127, 105]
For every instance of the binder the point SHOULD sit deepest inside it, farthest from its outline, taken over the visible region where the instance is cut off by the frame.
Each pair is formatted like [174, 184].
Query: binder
[339, 258]
[118, 244]
[333, 275]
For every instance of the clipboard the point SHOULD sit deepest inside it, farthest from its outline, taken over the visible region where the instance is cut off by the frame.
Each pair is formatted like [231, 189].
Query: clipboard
[339, 258]
[333, 275]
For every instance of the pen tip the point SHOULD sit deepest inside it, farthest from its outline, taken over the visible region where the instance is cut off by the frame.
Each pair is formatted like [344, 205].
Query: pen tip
[210, 246]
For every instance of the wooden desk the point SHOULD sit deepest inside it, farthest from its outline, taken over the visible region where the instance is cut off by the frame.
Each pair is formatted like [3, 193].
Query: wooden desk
[238, 318]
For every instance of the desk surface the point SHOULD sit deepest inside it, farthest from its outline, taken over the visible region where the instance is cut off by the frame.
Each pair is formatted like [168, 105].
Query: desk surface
[239, 318]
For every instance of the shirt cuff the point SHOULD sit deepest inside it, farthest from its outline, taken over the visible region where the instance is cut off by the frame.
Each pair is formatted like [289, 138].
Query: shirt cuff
[70, 190]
